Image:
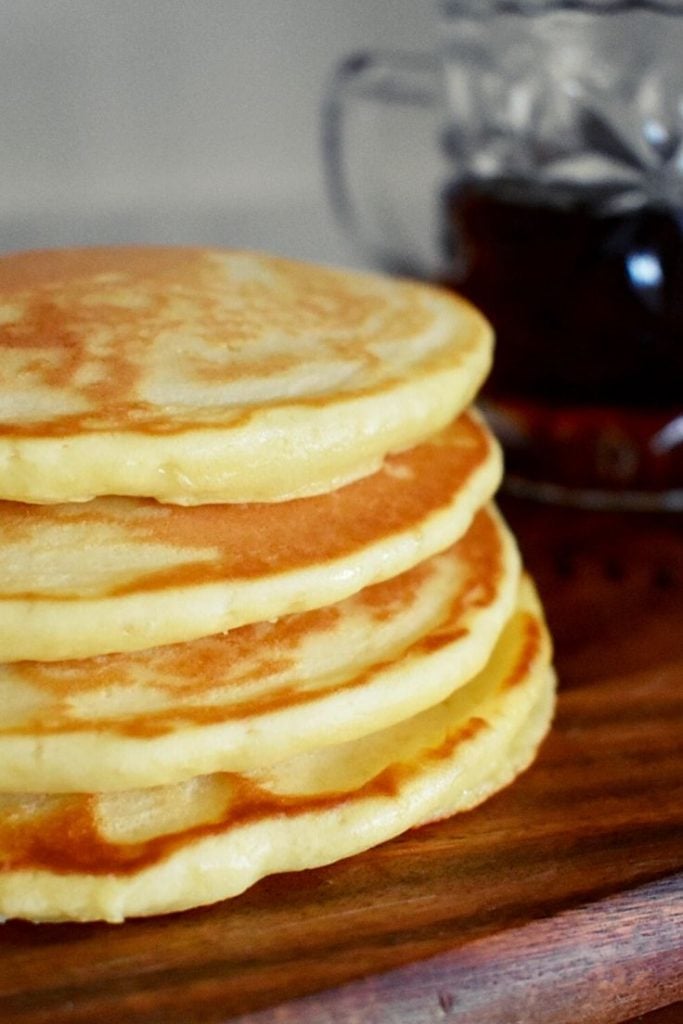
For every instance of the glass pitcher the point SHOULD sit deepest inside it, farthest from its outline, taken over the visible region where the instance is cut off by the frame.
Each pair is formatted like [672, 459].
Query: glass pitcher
[535, 163]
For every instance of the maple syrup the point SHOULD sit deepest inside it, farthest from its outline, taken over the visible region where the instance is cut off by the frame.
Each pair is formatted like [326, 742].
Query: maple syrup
[586, 296]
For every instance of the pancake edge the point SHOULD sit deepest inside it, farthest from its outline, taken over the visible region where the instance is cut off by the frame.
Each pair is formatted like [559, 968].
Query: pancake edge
[223, 866]
[110, 760]
[36, 629]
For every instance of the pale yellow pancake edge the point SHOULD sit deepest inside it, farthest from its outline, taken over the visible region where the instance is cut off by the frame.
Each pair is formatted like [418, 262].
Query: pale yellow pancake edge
[280, 454]
[52, 630]
[222, 866]
[105, 760]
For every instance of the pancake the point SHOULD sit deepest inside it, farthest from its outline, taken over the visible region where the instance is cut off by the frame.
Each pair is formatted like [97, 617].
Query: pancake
[111, 856]
[204, 375]
[257, 695]
[123, 574]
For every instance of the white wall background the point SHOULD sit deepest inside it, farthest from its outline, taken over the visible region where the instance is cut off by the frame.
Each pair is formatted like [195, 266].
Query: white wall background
[178, 120]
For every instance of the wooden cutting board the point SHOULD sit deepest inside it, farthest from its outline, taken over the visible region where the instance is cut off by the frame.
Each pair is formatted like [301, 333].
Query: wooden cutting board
[560, 900]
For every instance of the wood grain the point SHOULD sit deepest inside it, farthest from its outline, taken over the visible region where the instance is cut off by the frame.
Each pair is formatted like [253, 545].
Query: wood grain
[543, 973]
[562, 892]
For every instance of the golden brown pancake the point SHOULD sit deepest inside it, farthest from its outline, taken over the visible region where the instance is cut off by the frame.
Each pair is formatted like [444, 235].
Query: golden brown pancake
[139, 852]
[203, 375]
[123, 574]
[264, 692]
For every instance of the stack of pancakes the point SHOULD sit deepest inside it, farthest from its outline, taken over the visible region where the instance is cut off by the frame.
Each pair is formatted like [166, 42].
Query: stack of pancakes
[258, 612]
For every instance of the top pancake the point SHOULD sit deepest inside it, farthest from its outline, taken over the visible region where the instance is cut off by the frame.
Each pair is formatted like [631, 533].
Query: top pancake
[196, 375]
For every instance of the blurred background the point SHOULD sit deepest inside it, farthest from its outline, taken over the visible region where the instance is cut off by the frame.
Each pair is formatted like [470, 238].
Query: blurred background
[178, 120]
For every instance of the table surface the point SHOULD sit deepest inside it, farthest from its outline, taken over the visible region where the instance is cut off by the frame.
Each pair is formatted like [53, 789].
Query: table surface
[559, 900]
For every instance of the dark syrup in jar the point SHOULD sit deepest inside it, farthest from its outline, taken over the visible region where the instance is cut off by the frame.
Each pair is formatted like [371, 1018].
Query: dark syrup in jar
[587, 304]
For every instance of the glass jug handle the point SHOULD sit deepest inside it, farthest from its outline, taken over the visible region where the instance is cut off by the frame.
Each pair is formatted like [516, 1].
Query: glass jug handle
[384, 170]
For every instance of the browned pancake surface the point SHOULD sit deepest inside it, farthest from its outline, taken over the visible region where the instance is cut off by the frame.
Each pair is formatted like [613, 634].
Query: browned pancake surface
[221, 566]
[67, 834]
[212, 542]
[264, 692]
[200, 375]
[64, 301]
